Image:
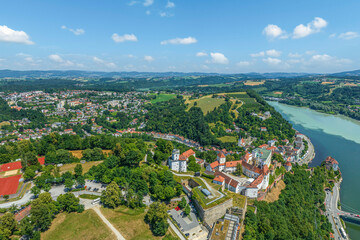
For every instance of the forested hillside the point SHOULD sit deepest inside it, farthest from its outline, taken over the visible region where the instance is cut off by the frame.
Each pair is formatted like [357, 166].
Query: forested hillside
[296, 215]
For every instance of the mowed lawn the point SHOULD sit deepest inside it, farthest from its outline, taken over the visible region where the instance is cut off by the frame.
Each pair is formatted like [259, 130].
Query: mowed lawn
[79, 226]
[163, 97]
[206, 103]
[228, 139]
[129, 222]
[86, 166]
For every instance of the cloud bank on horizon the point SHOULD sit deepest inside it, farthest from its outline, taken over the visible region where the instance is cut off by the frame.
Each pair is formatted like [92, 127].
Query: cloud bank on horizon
[164, 35]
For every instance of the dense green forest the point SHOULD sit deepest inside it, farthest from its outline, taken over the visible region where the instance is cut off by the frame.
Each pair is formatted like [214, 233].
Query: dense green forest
[296, 215]
[172, 117]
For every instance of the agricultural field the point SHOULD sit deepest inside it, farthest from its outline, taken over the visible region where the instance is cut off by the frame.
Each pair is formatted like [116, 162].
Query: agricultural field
[129, 222]
[86, 166]
[79, 226]
[162, 97]
[248, 102]
[254, 83]
[206, 103]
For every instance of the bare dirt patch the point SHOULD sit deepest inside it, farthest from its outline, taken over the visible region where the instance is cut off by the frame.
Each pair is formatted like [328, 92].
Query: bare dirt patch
[274, 193]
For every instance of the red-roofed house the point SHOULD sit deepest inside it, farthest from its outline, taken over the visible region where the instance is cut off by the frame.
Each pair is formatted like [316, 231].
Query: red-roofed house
[231, 166]
[188, 153]
[331, 163]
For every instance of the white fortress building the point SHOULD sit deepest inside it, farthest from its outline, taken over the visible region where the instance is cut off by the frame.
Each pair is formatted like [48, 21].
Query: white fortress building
[178, 162]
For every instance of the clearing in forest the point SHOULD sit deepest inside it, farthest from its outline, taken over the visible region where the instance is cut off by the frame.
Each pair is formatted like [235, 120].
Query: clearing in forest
[206, 103]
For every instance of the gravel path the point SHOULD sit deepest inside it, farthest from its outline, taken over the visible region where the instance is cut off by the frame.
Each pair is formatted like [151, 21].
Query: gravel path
[103, 218]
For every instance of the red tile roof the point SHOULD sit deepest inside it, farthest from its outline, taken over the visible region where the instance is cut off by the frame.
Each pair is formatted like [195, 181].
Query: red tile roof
[214, 164]
[288, 164]
[232, 163]
[188, 153]
[256, 182]
[23, 213]
[331, 160]
[221, 154]
[219, 179]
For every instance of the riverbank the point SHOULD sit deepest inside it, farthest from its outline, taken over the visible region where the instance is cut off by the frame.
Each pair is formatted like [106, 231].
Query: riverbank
[335, 136]
[279, 100]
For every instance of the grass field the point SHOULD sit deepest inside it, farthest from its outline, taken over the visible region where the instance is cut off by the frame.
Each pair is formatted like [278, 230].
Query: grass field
[206, 103]
[86, 166]
[79, 226]
[163, 97]
[88, 196]
[228, 139]
[129, 222]
[5, 123]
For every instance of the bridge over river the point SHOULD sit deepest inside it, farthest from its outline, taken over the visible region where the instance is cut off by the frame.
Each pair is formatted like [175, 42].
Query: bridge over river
[334, 213]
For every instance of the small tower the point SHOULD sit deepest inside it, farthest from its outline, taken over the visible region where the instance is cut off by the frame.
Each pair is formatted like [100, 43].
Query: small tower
[175, 154]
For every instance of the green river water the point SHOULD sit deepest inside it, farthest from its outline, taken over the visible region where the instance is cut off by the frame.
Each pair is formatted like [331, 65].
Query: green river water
[334, 136]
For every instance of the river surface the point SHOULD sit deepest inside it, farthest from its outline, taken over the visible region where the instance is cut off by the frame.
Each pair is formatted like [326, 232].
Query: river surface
[335, 136]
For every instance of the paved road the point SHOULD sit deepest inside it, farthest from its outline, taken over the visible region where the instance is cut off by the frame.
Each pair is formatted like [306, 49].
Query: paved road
[112, 228]
[332, 211]
[174, 228]
[55, 192]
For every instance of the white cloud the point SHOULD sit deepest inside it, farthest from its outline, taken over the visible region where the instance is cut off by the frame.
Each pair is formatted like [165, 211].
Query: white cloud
[170, 4]
[243, 64]
[314, 26]
[325, 59]
[149, 58]
[77, 32]
[259, 54]
[273, 53]
[29, 59]
[294, 55]
[201, 54]
[131, 56]
[131, 3]
[332, 35]
[349, 35]
[184, 41]
[13, 36]
[148, 3]
[124, 38]
[219, 58]
[272, 61]
[58, 59]
[270, 52]
[274, 31]
[103, 62]
[148, 12]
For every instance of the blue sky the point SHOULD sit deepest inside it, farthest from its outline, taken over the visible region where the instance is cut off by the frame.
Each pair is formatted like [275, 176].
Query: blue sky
[232, 36]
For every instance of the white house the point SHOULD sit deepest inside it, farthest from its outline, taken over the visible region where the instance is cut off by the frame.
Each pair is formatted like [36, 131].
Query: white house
[176, 163]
